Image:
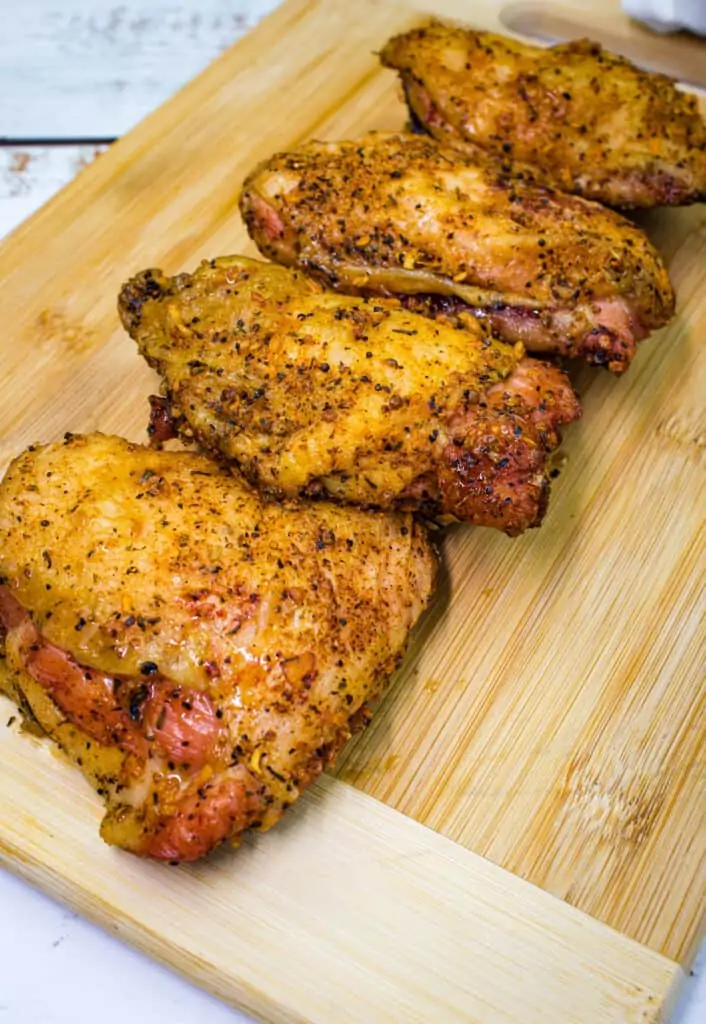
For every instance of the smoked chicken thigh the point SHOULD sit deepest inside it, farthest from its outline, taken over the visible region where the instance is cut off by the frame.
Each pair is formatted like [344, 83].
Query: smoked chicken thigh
[317, 394]
[201, 655]
[401, 214]
[572, 116]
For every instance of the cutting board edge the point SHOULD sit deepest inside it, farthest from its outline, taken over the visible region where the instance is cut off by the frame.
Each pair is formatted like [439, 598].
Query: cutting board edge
[430, 4]
[505, 941]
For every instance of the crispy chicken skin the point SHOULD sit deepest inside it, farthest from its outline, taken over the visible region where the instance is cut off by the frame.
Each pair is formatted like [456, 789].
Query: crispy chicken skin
[317, 394]
[573, 116]
[202, 655]
[401, 214]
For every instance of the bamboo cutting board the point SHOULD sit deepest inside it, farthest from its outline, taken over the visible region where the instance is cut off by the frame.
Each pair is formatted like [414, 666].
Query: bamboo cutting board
[548, 726]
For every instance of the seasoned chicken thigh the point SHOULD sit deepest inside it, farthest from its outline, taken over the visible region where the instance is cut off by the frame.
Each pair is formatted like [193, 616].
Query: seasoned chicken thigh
[201, 654]
[573, 116]
[401, 214]
[317, 394]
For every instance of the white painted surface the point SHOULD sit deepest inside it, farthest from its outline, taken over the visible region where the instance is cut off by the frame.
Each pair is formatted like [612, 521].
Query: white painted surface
[81, 68]
[96, 67]
[30, 175]
[56, 968]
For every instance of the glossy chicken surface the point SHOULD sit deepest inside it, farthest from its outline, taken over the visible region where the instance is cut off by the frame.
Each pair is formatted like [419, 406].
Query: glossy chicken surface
[200, 654]
[317, 394]
[573, 116]
[401, 214]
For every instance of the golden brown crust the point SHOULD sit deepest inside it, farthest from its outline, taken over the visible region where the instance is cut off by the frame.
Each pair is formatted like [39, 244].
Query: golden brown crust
[314, 393]
[166, 572]
[493, 472]
[573, 115]
[308, 391]
[398, 213]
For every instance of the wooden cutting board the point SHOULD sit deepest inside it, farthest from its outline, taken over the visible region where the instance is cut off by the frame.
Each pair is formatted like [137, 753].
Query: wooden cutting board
[548, 726]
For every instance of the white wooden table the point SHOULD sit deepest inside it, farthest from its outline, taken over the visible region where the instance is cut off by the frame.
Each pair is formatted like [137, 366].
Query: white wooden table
[87, 70]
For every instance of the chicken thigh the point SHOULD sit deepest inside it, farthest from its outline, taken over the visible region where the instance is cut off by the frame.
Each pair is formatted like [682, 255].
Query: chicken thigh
[572, 116]
[401, 214]
[200, 654]
[317, 394]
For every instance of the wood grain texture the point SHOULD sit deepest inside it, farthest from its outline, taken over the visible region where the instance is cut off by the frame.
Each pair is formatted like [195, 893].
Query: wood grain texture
[557, 724]
[347, 912]
[552, 716]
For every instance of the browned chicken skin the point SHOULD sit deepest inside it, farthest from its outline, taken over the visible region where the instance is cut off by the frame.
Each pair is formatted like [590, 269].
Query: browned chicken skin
[401, 214]
[201, 655]
[317, 394]
[572, 116]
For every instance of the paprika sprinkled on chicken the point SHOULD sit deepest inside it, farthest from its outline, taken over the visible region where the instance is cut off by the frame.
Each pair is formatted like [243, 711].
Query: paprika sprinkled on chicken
[200, 654]
[401, 214]
[571, 116]
[317, 394]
